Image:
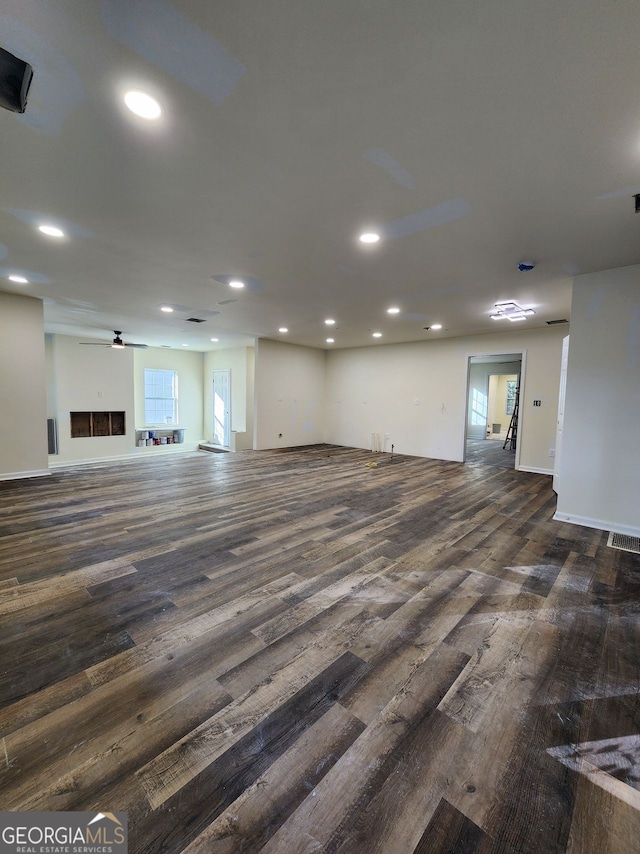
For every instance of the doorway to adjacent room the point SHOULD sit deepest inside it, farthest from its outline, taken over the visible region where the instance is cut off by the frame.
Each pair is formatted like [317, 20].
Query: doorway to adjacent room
[492, 419]
[222, 408]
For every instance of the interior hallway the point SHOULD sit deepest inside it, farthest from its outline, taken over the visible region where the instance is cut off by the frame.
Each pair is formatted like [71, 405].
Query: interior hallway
[296, 651]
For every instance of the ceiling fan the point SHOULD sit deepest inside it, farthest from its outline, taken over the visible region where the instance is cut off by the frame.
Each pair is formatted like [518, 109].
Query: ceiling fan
[117, 343]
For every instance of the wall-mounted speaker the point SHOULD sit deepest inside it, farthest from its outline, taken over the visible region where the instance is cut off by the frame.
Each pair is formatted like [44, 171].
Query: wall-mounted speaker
[15, 79]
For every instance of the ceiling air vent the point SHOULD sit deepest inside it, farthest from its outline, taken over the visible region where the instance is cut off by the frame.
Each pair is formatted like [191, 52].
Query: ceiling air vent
[624, 542]
[194, 320]
[556, 322]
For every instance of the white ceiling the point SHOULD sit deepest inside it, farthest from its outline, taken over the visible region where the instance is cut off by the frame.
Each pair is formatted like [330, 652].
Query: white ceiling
[472, 135]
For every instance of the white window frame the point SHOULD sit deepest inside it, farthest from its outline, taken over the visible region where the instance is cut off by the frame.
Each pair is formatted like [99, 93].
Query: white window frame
[157, 382]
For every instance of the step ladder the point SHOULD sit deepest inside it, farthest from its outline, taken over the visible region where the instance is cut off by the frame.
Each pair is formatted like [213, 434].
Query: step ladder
[512, 432]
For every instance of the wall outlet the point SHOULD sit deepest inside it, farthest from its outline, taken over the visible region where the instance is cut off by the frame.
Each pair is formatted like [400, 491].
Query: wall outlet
[416, 401]
[537, 403]
[365, 400]
[552, 452]
[99, 394]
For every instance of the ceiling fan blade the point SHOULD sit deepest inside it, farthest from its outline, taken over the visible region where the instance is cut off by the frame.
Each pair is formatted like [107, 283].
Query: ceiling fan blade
[94, 343]
[139, 346]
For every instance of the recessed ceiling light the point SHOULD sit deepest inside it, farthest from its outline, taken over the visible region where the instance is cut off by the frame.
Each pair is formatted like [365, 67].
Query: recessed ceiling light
[330, 340]
[330, 321]
[185, 345]
[377, 334]
[436, 326]
[51, 230]
[143, 105]
[393, 310]
[283, 329]
[369, 237]
[236, 283]
[215, 340]
[19, 279]
[166, 308]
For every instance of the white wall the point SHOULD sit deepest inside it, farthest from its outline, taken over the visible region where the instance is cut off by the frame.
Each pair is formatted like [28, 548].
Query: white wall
[251, 377]
[373, 389]
[289, 395]
[23, 388]
[190, 368]
[90, 379]
[240, 362]
[599, 471]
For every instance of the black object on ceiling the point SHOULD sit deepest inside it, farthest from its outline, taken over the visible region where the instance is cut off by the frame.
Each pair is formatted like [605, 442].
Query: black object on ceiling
[15, 80]
[117, 342]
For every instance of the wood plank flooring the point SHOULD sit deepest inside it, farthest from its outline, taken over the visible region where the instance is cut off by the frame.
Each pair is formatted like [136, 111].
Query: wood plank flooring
[299, 651]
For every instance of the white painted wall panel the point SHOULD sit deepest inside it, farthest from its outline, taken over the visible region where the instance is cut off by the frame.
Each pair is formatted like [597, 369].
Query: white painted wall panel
[289, 395]
[390, 378]
[23, 387]
[599, 470]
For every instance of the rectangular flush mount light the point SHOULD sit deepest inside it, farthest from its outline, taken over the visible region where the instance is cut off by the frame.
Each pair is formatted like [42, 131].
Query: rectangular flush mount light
[511, 311]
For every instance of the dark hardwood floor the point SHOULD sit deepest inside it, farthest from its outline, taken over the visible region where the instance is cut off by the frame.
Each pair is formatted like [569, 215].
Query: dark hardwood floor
[300, 651]
[490, 452]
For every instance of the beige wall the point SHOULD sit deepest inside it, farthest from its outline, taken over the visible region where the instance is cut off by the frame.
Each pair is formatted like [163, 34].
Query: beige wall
[89, 379]
[374, 389]
[479, 381]
[190, 368]
[599, 469]
[240, 362]
[498, 399]
[92, 378]
[23, 388]
[289, 395]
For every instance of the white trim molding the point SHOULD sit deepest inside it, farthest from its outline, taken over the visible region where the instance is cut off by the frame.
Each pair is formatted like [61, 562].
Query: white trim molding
[600, 524]
[146, 453]
[535, 470]
[18, 475]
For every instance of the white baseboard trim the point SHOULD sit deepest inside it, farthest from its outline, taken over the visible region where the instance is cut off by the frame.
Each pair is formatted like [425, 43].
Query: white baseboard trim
[600, 524]
[19, 475]
[147, 453]
[534, 470]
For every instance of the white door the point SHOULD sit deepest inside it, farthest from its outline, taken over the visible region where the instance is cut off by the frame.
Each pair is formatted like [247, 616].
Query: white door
[222, 408]
[561, 399]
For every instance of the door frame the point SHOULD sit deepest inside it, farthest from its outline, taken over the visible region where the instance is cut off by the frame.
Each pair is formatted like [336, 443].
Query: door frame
[523, 362]
[226, 371]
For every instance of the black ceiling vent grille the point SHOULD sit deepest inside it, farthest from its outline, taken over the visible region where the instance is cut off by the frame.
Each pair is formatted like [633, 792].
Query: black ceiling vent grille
[194, 320]
[556, 322]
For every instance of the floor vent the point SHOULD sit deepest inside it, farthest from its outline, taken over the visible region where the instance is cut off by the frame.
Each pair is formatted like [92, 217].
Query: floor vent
[624, 542]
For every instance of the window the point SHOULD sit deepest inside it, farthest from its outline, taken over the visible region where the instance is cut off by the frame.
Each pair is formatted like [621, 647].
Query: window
[512, 387]
[160, 397]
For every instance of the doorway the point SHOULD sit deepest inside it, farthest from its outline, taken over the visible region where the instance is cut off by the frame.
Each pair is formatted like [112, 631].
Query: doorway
[493, 386]
[222, 408]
